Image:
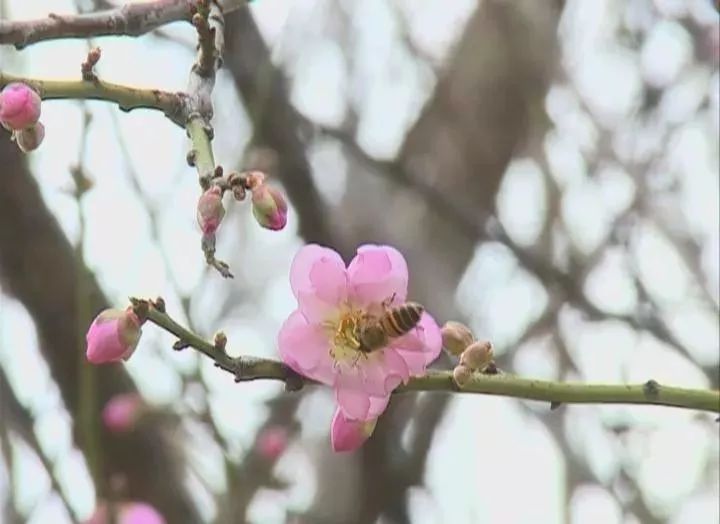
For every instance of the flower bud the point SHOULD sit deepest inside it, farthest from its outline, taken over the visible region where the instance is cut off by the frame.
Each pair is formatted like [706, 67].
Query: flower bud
[456, 337]
[269, 207]
[462, 375]
[121, 412]
[347, 434]
[272, 442]
[210, 210]
[30, 138]
[113, 336]
[477, 355]
[19, 106]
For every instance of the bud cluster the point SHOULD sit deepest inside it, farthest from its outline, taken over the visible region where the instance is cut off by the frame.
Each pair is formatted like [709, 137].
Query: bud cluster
[20, 114]
[474, 355]
[268, 204]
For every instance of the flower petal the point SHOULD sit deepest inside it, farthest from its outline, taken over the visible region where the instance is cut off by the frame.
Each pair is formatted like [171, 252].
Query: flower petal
[378, 405]
[347, 434]
[305, 348]
[354, 404]
[376, 274]
[318, 280]
[421, 346]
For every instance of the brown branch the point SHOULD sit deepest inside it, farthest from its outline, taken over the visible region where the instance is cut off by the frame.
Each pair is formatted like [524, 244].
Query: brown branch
[133, 19]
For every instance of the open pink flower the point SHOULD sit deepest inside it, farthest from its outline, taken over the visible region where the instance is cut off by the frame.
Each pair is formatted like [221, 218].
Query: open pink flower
[320, 339]
[113, 336]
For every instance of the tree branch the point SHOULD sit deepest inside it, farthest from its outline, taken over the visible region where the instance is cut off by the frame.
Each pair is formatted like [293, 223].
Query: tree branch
[252, 368]
[126, 97]
[133, 19]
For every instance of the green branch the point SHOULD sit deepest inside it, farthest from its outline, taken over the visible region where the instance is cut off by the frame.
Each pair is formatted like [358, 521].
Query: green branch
[127, 98]
[251, 368]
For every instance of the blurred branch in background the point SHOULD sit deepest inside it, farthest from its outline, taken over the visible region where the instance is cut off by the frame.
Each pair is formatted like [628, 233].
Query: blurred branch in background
[38, 267]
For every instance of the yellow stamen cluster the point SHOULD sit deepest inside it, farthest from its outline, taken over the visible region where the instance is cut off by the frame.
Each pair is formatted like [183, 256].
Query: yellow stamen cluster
[344, 335]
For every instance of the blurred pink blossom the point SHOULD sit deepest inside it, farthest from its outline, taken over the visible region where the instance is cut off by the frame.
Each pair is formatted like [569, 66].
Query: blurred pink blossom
[272, 442]
[319, 339]
[121, 412]
[19, 106]
[127, 513]
[113, 336]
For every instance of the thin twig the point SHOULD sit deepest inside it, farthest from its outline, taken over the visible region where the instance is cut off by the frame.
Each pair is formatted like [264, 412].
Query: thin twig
[252, 368]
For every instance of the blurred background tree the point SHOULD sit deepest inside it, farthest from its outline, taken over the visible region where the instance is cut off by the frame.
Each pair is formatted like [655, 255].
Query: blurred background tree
[549, 169]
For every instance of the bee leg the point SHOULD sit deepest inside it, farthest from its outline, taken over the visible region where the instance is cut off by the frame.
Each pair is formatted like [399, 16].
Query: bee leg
[388, 301]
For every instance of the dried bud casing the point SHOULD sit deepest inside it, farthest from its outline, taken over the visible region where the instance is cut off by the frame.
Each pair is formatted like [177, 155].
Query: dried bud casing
[30, 138]
[477, 355]
[19, 106]
[220, 340]
[462, 375]
[269, 207]
[456, 336]
[254, 179]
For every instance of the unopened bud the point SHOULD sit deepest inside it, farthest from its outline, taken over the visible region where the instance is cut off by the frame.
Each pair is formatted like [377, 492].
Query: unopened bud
[269, 207]
[462, 375]
[220, 340]
[210, 210]
[19, 106]
[456, 336]
[30, 138]
[477, 355]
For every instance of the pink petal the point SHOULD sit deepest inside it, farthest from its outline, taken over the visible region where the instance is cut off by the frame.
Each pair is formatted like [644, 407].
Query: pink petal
[348, 435]
[140, 513]
[376, 274]
[318, 281]
[305, 348]
[378, 405]
[421, 346]
[353, 403]
[377, 374]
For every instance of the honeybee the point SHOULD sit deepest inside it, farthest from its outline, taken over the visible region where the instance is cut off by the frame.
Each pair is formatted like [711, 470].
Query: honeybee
[395, 322]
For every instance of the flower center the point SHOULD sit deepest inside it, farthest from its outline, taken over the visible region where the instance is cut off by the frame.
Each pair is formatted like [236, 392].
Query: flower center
[344, 335]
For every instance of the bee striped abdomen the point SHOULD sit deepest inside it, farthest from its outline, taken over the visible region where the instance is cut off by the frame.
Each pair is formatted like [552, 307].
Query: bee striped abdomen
[401, 319]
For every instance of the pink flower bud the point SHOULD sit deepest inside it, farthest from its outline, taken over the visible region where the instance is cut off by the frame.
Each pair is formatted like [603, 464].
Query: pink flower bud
[269, 207]
[210, 210]
[30, 138]
[272, 441]
[477, 355]
[462, 375]
[456, 337]
[113, 336]
[347, 434]
[127, 513]
[19, 106]
[121, 412]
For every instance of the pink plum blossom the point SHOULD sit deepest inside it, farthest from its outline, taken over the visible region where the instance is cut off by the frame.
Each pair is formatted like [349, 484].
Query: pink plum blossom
[319, 339]
[272, 442]
[121, 412]
[19, 106]
[347, 434]
[210, 210]
[127, 513]
[113, 336]
[269, 207]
